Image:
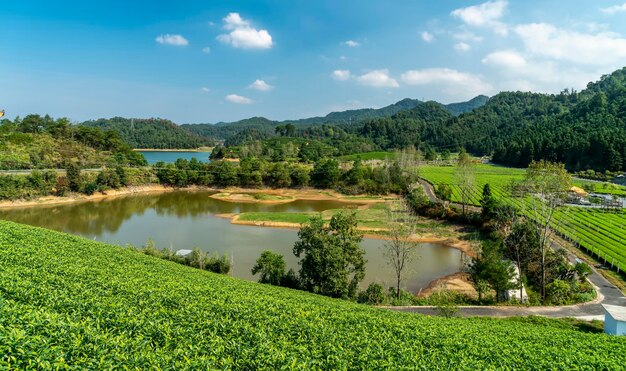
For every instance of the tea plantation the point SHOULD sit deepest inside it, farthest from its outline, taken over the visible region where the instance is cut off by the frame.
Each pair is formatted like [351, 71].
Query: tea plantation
[68, 302]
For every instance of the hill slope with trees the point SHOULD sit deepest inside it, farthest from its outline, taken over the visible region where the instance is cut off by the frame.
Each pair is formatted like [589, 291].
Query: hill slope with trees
[37, 142]
[151, 133]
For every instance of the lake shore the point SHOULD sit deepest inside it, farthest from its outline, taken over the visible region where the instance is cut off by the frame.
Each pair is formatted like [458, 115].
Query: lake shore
[368, 232]
[247, 195]
[201, 149]
[230, 194]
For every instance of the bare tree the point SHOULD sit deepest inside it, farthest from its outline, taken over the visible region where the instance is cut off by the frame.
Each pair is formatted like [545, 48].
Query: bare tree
[465, 174]
[400, 250]
[547, 184]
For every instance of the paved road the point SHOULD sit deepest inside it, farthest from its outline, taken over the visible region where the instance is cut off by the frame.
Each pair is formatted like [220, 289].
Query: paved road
[607, 294]
[428, 188]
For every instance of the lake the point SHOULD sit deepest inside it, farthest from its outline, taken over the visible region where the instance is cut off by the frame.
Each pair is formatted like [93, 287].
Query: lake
[186, 219]
[171, 156]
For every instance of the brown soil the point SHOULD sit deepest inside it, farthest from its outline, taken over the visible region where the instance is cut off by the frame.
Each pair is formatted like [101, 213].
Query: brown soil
[458, 282]
[249, 198]
[53, 200]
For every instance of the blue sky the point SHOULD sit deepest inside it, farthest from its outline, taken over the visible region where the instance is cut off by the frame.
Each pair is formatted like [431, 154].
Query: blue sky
[210, 61]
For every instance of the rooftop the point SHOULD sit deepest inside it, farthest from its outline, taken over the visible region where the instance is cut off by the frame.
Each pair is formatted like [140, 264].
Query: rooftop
[616, 311]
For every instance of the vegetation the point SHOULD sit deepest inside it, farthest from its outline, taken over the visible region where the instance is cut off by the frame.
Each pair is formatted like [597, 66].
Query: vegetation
[196, 259]
[71, 302]
[37, 142]
[332, 262]
[150, 133]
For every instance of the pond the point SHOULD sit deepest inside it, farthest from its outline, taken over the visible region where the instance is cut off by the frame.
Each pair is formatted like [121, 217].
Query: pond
[187, 219]
[171, 156]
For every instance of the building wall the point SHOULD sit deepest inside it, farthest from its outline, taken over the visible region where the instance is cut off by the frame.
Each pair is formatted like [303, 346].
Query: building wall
[613, 327]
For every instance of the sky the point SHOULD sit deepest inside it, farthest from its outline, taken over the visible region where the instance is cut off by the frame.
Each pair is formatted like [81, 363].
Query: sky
[210, 61]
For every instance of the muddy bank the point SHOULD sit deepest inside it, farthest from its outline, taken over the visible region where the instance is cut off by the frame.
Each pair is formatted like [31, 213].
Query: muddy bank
[234, 195]
[457, 282]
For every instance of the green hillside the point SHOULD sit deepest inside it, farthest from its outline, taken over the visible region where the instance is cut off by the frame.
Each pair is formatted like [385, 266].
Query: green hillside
[261, 128]
[37, 142]
[71, 302]
[151, 133]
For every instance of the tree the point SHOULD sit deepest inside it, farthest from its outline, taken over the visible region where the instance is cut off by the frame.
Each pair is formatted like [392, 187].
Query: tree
[443, 192]
[325, 173]
[74, 179]
[399, 250]
[521, 243]
[491, 268]
[488, 203]
[271, 266]
[465, 177]
[547, 184]
[332, 259]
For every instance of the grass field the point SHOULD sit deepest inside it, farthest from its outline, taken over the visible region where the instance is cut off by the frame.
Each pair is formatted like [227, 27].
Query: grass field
[373, 217]
[597, 231]
[69, 302]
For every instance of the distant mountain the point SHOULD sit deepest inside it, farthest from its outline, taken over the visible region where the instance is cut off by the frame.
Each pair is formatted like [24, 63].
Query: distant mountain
[459, 108]
[260, 126]
[150, 133]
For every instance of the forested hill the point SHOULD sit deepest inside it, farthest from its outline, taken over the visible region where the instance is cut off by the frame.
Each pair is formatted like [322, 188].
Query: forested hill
[584, 130]
[151, 133]
[36, 142]
[260, 128]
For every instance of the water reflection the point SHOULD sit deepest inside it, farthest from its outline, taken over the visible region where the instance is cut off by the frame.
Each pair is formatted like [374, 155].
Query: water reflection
[186, 219]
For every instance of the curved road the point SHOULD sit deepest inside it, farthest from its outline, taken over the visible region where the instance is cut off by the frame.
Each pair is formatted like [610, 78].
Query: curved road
[607, 294]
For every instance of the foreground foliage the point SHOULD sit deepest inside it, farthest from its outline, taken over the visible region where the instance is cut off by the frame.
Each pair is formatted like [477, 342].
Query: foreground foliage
[67, 301]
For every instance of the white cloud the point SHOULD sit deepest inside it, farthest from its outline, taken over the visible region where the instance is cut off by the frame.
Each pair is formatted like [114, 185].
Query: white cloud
[505, 59]
[378, 78]
[614, 9]
[205, 89]
[467, 36]
[453, 83]
[515, 71]
[427, 36]
[238, 99]
[243, 35]
[341, 75]
[485, 15]
[176, 40]
[462, 47]
[352, 43]
[260, 85]
[343, 58]
[546, 40]
[206, 50]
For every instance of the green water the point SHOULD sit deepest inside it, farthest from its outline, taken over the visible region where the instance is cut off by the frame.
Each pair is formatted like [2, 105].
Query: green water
[186, 219]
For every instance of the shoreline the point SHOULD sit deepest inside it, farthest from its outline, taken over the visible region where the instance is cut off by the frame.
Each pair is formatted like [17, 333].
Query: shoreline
[207, 149]
[451, 242]
[308, 194]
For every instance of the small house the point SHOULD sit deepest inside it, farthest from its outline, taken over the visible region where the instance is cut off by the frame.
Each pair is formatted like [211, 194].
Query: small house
[614, 319]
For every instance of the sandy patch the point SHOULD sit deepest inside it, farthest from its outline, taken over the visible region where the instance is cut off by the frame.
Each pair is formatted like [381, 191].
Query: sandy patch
[457, 282]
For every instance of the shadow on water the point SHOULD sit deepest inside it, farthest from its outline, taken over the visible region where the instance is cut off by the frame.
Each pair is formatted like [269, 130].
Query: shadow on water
[186, 219]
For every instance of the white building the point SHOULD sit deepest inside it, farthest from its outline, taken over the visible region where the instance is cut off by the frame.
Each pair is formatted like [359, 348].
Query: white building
[614, 319]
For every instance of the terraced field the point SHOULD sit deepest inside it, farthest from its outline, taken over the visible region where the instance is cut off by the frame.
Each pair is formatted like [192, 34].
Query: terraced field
[599, 232]
[68, 302]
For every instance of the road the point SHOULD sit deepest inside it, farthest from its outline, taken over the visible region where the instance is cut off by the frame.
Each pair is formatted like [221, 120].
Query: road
[607, 293]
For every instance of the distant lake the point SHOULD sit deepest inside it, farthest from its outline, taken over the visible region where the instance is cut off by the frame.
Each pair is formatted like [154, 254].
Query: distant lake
[170, 156]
